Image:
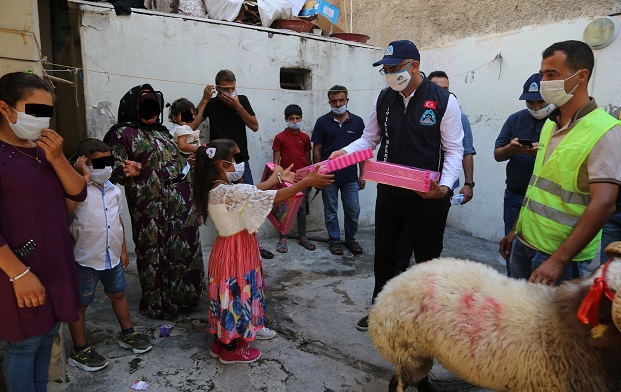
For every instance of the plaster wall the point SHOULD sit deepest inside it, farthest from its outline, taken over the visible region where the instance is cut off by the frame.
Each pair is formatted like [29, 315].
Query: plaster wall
[17, 51]
[180, 55]
[488, 94]
[430, 24]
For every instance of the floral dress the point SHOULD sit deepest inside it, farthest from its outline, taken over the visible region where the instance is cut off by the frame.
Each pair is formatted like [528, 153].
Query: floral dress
[164, 222]
[235, 272]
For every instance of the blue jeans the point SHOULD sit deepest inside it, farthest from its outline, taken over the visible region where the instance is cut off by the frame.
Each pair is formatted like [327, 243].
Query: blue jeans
[351, 210]
[610, 233]
[524, 260]
[113, 281]
[247, 176]
[26, 363]
[511, 210]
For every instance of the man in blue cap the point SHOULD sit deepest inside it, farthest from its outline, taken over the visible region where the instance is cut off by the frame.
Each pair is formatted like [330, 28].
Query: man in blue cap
[517, 142]
[416, 123]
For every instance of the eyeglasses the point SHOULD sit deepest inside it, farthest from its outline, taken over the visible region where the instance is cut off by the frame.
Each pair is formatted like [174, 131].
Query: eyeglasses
[395, 69]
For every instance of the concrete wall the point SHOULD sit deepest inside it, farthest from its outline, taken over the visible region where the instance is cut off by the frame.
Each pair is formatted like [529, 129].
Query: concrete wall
[17, 51]
[180, 55]
[489, 94]
[429, 24]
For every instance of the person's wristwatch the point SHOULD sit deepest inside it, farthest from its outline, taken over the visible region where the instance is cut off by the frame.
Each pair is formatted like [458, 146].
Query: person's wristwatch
[469, 183]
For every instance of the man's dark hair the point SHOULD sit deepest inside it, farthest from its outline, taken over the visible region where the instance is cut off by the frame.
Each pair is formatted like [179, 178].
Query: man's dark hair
[293, 109]
[224, 76]
[437, 74]
[579, 55]
[337, 88]
[89, 146]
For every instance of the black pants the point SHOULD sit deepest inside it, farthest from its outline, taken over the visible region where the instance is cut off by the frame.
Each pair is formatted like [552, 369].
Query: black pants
[423, 219]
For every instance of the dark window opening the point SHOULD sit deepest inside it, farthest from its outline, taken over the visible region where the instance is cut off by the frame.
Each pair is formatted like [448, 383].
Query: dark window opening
[295, 79]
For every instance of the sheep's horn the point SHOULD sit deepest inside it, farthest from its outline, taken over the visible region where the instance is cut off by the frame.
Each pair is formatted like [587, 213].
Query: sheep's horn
[613, 250]
[616, 310]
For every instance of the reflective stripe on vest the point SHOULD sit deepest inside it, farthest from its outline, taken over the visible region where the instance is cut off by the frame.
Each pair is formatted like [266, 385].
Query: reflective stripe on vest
[553, 203]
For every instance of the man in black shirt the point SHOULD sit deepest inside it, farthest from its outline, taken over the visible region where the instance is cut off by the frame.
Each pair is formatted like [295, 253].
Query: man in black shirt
[229, 115]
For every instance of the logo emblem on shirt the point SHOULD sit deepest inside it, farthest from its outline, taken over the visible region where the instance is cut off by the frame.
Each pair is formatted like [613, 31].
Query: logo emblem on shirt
[428, 118]
[389, 51]
[430, 105]
[533, 88]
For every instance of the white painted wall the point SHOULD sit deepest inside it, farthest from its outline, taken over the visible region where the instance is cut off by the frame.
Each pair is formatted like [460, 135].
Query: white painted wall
[489, 95]
[180, 55]
[152, 47]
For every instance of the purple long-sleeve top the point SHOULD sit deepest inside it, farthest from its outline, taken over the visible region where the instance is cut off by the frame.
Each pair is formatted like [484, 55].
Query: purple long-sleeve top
[32, 207]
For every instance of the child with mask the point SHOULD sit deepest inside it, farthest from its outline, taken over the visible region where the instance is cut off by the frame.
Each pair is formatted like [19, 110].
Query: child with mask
[293, 147]
[100, 253]
[184, 115]
[235, 276]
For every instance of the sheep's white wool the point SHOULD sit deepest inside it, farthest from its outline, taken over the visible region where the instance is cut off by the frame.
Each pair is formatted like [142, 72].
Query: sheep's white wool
[490, 330]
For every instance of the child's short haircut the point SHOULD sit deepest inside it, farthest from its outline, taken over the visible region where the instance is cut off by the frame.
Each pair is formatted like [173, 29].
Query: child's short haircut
[89, 146]
[178, 106]
[293, 109]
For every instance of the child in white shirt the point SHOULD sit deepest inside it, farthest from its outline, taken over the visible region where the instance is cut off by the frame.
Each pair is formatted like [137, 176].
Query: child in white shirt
[183, 115]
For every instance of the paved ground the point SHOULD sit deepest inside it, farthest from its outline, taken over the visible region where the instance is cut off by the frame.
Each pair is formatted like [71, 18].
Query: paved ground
[314, 300]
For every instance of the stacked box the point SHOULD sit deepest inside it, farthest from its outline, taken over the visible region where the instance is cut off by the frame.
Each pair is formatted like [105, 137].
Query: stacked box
[283, 214]
[331, 165]
[400, 175]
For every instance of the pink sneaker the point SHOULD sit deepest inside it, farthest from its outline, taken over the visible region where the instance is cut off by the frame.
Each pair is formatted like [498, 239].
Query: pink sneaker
[216, 349]
[240, 355]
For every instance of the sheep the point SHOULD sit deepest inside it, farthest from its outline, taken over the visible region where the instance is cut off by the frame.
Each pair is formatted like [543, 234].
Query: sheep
[496, 332]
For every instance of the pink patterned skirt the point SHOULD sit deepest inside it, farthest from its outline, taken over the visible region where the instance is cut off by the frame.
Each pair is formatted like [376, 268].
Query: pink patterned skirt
[235, 288]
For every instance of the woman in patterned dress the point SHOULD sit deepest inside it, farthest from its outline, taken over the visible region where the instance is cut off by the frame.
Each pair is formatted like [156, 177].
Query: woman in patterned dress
[235, 273]
[164, 223]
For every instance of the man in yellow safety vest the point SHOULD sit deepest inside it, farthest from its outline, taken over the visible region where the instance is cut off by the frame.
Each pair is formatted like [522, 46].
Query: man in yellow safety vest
[576, 177]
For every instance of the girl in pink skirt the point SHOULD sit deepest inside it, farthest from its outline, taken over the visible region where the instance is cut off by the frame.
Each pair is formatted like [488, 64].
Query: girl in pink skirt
[235, 273]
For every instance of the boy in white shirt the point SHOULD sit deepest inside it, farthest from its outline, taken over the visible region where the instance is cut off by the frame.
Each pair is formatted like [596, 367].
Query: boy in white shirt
[100, 252]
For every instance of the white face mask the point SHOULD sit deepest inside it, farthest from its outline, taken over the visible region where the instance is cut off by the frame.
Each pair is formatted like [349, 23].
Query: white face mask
[340, 111]
[100, 176]
[232, 95]
[398, 81]
[553, 91]
[292, 125]
[542, 112]
[237, 174]
[28, 127]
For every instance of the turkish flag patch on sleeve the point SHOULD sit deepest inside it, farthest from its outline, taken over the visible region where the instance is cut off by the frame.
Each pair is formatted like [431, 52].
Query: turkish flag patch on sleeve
[430, 105]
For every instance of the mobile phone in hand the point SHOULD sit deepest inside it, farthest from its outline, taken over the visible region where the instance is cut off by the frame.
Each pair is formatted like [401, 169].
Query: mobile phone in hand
[525, 142]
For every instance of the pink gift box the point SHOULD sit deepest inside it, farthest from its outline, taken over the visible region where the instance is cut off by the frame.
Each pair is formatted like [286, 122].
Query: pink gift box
[331, 165]
[399, 175]
[283, 214]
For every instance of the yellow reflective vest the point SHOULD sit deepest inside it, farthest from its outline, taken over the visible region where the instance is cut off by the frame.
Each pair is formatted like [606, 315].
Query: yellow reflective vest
[553, 203]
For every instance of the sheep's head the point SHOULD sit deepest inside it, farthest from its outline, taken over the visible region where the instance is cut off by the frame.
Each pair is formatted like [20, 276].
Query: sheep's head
[597, 309]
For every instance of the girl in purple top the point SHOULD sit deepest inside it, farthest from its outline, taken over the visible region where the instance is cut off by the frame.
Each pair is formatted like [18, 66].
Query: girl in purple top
[38, 288]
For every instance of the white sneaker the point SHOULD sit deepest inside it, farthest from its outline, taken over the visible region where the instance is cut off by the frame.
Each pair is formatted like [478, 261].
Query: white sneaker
[265, 334]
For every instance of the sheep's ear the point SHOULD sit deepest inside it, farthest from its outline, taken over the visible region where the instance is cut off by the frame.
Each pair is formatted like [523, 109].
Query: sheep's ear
[616, 310]
[610, 338]
[613, 249]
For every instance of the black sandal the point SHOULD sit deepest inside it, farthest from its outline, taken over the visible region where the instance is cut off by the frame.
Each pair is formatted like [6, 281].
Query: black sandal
[354, 247]
[336, 249]
[266, 254]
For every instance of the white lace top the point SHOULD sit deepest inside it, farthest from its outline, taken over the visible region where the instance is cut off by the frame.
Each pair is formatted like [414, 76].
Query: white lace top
[234, 208]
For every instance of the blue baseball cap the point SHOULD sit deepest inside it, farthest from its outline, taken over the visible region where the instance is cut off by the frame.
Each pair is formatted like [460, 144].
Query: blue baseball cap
[531, 89]
[397, 51]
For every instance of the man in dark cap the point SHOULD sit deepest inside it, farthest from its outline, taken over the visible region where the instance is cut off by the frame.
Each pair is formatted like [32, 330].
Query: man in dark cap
[416, 123]
[517, 142]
